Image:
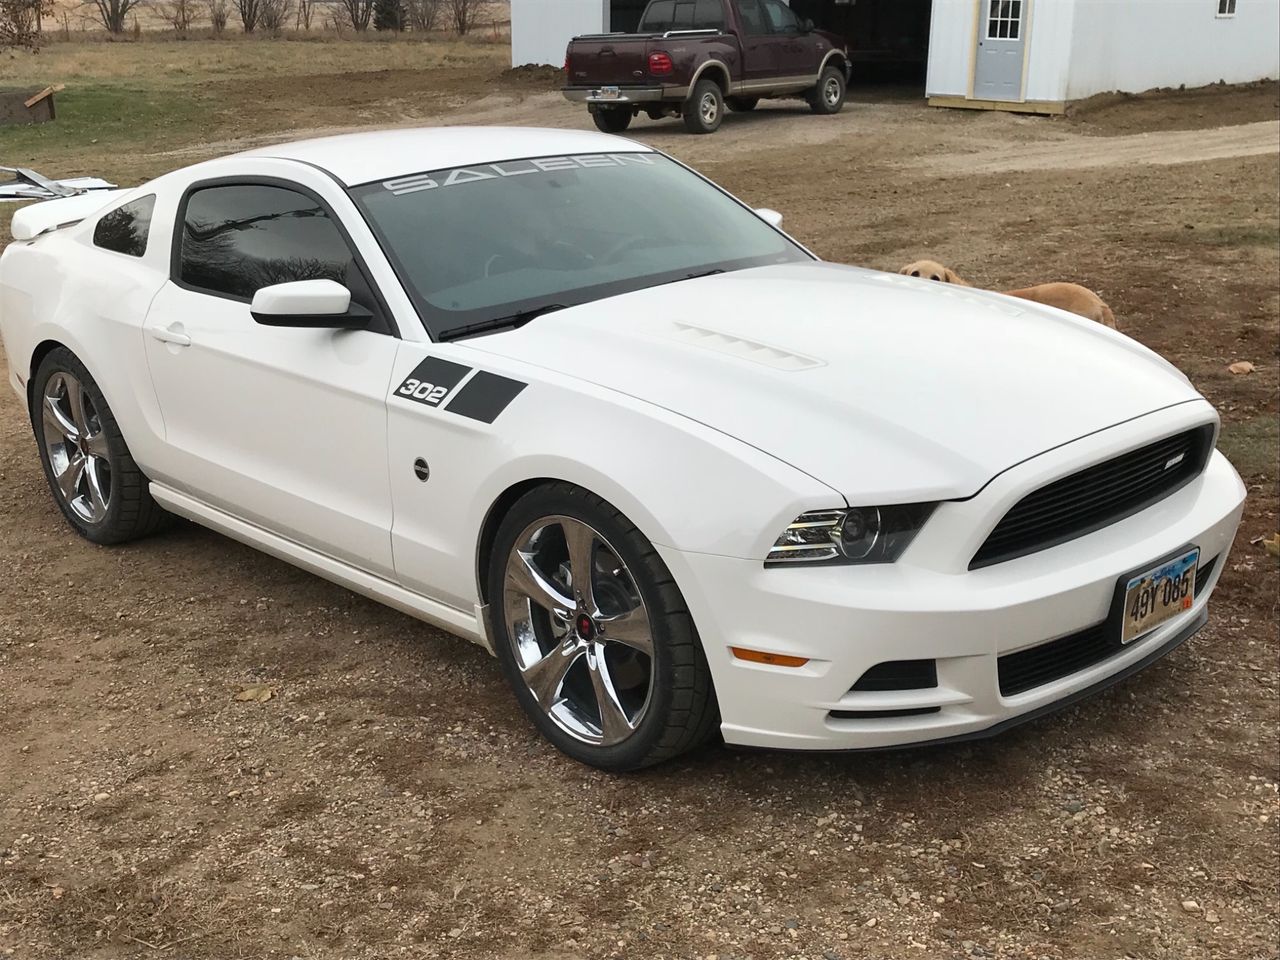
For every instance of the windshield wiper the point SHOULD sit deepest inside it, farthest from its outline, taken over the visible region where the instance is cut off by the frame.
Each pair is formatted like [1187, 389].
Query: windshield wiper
[699, 276]
[501, 323]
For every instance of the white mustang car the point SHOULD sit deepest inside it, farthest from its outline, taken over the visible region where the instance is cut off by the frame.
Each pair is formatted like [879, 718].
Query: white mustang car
[556, 393]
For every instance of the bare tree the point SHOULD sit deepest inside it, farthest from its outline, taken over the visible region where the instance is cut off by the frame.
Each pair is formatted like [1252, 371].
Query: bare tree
[250, 12]
[302, 19]
[424, 14]
[112, 13]
[359, 13]
[20, 21]
[273, 14]
[177, 13]
[218, 15]
[464, 13]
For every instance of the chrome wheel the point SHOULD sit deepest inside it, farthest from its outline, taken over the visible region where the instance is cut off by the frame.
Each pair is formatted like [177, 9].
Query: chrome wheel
[831, 92]
[77, 447]
[709, 109]
[579, 630]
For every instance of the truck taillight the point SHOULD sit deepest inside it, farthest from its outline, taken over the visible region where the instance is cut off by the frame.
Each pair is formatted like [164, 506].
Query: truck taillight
[660, 64]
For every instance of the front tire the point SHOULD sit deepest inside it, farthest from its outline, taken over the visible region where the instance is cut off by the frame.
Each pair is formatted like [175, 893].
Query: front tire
[828, 96]
[93, 477]
[611, 119]
[593, 635]
[704, 110]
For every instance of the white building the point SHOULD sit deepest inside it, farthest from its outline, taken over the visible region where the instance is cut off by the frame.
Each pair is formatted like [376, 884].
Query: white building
[1033, 55]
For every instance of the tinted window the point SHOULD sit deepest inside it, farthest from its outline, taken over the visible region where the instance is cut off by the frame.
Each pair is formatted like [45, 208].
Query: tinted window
[473, 244]
[753, 20]
[781, 17]
[663, 15]
[125, 228]
[238, 239]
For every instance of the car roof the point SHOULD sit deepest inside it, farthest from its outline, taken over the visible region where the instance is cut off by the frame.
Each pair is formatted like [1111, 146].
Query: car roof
[356, 158]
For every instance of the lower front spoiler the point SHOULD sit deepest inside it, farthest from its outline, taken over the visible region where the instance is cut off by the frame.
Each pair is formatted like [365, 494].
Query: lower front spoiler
[1177, 640]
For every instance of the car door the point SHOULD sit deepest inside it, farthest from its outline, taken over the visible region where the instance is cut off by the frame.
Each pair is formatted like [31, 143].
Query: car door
[759, 56]
[792, 51]
[283, 427]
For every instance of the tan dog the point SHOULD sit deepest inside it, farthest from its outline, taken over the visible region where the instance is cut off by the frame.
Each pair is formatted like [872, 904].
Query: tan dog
[1065, 296]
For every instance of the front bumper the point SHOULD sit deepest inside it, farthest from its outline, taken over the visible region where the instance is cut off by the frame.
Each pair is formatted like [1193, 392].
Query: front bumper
[626, 96]
[929, 606]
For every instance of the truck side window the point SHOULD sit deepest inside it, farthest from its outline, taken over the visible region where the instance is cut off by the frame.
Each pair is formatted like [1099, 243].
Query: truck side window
[781, 17]
[753, 21]
[708, 15]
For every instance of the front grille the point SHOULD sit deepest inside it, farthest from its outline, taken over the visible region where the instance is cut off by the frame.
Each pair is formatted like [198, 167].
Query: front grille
[1026, 669]
[1096, 497]
[1036, 666]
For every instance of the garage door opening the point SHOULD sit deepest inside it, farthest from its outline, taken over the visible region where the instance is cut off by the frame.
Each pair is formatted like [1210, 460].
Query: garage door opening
[888, 39]
[624, 15]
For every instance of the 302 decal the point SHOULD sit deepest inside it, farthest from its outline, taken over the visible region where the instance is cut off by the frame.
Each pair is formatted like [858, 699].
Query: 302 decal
[431, 381]
[426, 392]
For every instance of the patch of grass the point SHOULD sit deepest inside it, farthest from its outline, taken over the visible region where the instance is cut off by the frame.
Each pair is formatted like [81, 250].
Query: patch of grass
[1252, 445]
[94, 118]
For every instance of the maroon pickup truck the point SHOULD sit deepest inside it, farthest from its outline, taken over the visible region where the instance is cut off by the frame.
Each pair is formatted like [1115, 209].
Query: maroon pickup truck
[692, 58]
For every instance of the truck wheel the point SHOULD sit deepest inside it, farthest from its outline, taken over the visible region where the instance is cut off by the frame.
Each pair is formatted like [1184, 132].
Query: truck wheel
[612, 119]
[704, 110]
[828, 96]
[742, 104]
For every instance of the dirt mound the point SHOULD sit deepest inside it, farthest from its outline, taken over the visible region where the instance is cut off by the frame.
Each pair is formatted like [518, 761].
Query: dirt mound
[539, 75]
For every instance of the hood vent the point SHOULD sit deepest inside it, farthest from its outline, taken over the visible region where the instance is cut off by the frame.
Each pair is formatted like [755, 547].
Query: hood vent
[742, 348]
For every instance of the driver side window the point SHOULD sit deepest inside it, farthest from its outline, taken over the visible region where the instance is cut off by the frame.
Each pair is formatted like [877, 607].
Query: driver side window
[754, 22]
[782, 19]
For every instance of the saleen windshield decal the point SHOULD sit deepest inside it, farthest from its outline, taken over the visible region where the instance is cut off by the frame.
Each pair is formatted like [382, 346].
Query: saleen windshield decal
[437, 179]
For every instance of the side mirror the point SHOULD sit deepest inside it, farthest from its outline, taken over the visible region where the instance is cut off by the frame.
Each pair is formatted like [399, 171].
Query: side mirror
[806, 25]
[308, 303]
[772, 217]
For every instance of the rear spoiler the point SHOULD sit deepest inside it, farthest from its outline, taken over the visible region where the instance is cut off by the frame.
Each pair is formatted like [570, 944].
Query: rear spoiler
[39, 218]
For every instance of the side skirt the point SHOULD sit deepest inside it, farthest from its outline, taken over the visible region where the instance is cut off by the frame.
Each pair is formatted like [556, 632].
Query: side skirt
[470, 626]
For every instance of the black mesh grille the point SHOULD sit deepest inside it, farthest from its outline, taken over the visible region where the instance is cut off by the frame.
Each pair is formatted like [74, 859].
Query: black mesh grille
[1035, 666]
[900, 675]
[1093, 498]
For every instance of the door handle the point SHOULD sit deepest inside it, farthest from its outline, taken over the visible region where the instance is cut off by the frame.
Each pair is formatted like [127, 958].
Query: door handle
[172, 334]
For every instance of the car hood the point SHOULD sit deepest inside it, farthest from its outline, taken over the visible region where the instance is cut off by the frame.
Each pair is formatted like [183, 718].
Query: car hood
[886, 388]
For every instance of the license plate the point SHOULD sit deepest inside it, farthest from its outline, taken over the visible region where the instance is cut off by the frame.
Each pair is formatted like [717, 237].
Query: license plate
[608, 93]
[1153, 597]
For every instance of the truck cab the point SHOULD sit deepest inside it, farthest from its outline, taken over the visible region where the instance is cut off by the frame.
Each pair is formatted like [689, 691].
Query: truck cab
[695, 58]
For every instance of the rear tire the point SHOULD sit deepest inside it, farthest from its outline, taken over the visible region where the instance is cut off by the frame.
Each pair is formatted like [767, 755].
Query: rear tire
[742, 104]
[593, 634]
[828, 96]
[611, 119]
[704, 110]
[91, 474]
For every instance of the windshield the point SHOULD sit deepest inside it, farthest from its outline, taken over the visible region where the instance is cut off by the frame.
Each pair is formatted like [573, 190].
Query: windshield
[479, 243]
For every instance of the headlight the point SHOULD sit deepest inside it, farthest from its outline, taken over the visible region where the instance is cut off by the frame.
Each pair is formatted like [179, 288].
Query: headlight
[856, 535]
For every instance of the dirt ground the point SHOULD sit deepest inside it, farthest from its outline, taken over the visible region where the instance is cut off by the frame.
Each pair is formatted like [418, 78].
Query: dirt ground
[389, 801]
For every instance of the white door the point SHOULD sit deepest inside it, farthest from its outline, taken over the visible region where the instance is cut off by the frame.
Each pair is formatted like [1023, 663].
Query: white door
[1002, 41]
[283, 427]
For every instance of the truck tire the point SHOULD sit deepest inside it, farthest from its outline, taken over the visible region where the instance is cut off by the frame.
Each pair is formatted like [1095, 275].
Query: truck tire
[828, 96]
[742, 104]
[704, 110]
[611, 119]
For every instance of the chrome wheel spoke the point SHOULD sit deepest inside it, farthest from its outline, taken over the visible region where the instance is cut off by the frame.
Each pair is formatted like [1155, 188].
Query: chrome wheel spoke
[528, 580]
[615, 725]
[96, 493]
[69, 479]
[630, 628]
[58, 423]
[75, 400]
[580, 540]
[546, 677]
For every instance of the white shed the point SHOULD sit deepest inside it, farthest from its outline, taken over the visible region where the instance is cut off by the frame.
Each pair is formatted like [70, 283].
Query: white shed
[1030, 55]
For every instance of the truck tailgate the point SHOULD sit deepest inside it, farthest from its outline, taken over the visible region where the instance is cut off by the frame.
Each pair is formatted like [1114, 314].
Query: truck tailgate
[622, 60]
